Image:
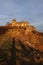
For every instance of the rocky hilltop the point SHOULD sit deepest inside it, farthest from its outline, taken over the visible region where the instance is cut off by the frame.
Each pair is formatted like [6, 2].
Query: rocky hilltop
[30, 41]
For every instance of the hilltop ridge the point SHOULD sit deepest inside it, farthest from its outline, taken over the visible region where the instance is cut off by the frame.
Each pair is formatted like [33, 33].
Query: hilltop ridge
[17, 25]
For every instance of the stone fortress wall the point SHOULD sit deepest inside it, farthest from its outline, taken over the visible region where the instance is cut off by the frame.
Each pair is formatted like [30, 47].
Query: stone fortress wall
[23, 24]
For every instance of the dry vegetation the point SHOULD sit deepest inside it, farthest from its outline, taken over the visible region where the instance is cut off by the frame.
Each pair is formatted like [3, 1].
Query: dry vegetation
[28, 46]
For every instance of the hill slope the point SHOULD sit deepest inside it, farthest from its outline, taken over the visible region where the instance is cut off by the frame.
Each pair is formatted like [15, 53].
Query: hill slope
[30, 40]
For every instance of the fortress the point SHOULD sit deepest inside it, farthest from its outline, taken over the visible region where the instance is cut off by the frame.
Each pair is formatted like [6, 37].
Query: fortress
[18, 24]
[23, 24]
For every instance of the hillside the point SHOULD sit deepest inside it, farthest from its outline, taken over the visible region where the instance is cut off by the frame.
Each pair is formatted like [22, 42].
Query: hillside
[30, 40]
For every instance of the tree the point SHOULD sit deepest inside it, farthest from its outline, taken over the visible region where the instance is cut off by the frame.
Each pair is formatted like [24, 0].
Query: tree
[13, 53]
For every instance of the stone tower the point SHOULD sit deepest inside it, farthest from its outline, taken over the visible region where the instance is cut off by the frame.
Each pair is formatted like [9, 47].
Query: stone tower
[13, 22]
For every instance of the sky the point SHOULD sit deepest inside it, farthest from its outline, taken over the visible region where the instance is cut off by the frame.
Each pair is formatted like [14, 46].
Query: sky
[29, 10]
